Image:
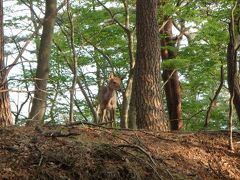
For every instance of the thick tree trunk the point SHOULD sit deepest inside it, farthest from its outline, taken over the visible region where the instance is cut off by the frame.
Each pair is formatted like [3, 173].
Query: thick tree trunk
[149, 107]
[5, 110]
[171, 79]
[5, 113]
[39, 101]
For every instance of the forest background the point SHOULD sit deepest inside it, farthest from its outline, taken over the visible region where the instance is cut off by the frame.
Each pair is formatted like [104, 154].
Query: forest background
[93, 38]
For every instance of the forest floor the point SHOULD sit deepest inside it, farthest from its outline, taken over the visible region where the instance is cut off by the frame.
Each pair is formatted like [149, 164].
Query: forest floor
[87, 152]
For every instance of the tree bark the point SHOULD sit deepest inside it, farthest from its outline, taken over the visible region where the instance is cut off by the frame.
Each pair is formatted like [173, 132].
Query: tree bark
[132, 121]
[127, 94]
[5, 110]
[39, 101]
[232, 63]
[74, 64]
[170, 78]
[149, 107]
[230, 122]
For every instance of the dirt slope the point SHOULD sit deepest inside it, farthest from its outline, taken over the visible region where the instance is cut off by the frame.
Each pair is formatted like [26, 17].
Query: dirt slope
[83, 152]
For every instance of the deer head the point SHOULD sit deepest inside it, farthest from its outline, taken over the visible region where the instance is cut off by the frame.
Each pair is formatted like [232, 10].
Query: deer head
[114, 82]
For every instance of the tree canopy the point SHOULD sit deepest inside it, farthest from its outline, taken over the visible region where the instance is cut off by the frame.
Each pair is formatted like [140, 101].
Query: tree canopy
[93, 38]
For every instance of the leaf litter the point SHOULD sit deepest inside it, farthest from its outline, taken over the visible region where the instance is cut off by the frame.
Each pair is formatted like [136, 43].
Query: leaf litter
[86, 152]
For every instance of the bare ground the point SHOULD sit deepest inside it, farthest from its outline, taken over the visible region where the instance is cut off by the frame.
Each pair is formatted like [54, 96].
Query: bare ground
[85, 152]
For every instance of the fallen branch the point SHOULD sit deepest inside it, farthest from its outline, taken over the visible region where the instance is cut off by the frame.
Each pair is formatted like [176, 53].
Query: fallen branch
[217, 172]
[133, 146]
[59, 134]
[56, 133]
[140, 149]
[92, 124]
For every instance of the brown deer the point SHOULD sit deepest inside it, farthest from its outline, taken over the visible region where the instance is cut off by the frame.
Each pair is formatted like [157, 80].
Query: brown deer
[108, 100]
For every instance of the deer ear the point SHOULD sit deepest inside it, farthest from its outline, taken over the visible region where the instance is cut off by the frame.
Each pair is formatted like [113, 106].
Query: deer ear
[111, 75]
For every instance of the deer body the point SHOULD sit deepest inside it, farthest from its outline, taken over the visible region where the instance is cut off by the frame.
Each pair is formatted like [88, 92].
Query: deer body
[108, 100]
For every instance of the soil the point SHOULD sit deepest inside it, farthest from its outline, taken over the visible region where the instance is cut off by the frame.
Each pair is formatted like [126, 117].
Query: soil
[87, 152]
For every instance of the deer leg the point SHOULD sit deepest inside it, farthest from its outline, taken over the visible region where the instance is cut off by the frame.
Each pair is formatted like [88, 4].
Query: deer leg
[114, 117]
[109, 116]
[103, 115]
[110, 119]
[99, 116]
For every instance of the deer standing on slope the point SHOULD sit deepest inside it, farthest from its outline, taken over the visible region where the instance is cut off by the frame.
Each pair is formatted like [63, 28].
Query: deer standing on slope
[108, 100]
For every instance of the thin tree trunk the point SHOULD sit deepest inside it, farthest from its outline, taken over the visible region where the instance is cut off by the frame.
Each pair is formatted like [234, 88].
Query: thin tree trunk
[39, 101]
[126, 102]
[99, 84]
[99, 80]
[128, 91]
[214, 99]
[5, 110]
[74, 64]
[149, 107]
[132, 123]
[230, 124]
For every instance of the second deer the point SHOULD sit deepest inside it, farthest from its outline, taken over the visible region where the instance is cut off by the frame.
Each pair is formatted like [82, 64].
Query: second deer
[108, 100]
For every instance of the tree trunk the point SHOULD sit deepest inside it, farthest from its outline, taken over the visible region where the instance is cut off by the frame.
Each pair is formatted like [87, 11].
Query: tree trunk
[129, 89]
[170, 78]
[74, 64]
[99, 85]
[132, 124]
[232, 73]
[230, 122]
[39, 101]
[126, 102]
[149, 107]
[214, 99]
[232, 63]
[5, 110]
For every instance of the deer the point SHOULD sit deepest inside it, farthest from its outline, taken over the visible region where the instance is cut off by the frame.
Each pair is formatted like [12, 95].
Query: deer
[108, 100]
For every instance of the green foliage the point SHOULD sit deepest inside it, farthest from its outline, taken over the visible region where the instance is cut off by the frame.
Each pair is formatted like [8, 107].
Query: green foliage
[101, 47]
[175, 63]
[98, 42]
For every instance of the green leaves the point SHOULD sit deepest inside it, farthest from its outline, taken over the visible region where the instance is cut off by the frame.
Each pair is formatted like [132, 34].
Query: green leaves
[101, 46]
[176, 63]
